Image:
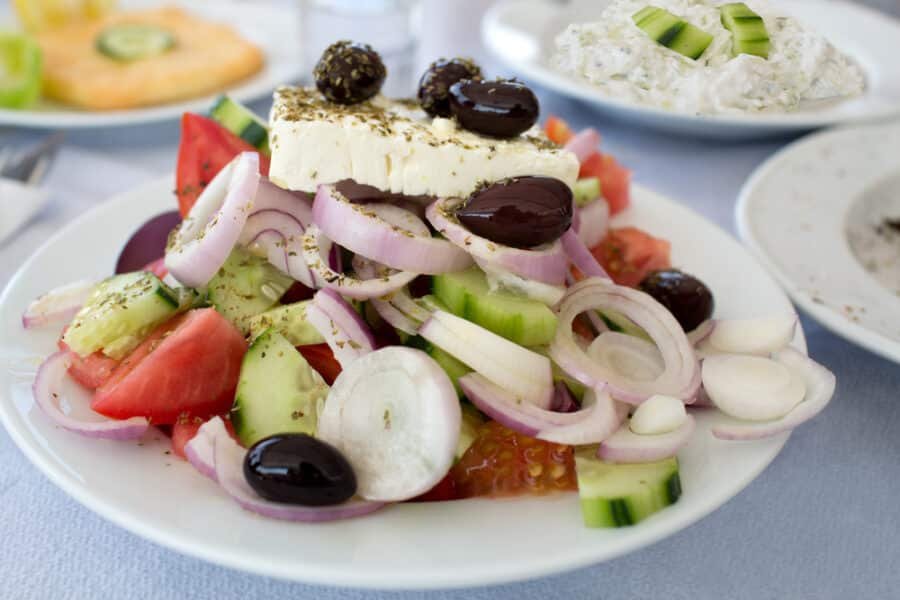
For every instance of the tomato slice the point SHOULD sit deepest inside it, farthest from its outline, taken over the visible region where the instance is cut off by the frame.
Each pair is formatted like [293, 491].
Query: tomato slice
[444, 490]
[628, 254]
[157, 267]
[206, 147]
[185, 429]
[90, 371]
[615, 180]
[557, 130]
[188, 367]
[321, 358]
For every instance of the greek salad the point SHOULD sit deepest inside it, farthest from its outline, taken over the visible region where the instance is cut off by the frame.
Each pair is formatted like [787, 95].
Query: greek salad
[365, 301]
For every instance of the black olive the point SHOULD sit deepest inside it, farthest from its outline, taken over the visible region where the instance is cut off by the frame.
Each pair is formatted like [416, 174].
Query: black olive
[522, 212]
[499, 108]
[349, 73]
[434, 87]
[686, 297]
[296, 468]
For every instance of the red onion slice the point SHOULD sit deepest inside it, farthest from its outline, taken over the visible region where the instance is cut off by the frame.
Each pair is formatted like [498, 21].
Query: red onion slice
[213, 226]
[48, 392]
[598, 418]
[584, 143]
[547, 264]
[593, 222]
[386, 307]
[316, 245]
[681, 376]
[525, 374]
[563, 400]
[214, 447]
[820, 386]
[581, 257]
[405, 245]
[280, 237]
[346, 334]
[625, 446]
[58, 305]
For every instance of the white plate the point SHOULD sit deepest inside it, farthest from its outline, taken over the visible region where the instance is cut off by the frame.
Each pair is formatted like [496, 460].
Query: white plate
[267, 26]
[456, 544]
[521, 34]
[795, 210]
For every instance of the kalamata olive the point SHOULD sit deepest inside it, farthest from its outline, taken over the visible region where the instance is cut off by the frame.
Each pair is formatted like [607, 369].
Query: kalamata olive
[434, 87]
[296, 468]
[498, 108]
[522, 212]
[686, 297]
[349, 73]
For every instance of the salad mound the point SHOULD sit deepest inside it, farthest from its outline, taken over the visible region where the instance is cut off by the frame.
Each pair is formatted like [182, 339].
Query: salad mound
[325, 355]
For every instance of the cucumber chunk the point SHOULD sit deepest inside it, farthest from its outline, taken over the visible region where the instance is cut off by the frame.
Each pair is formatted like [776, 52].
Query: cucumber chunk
[618, 495]
[290, 321]
[748, 30]
[246, 286]
[521, 320]
[278, 392]
[586, 191]
[121, 312]
[672, 31]
[133, 41]
[241, 121]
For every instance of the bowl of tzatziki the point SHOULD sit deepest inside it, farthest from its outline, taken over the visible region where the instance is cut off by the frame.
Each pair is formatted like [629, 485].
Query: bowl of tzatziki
[712, 68]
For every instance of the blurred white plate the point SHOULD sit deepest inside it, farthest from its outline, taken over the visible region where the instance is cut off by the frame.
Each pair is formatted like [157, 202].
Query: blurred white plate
[521, 33]
[265, 24]
[798, 211]
[438, 545]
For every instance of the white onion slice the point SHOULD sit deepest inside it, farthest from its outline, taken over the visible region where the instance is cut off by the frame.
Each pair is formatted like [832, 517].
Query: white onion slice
[547, 264]
[58, 305]
[625, 446]
[701, 332]
[525, 374]
[753, 388]
[214, 224]
[820, 385]
[215, 454]
[598, 418]
[316, 245]
[405, 246]
[47, 391]
[750, 336]
[395, 416]
[681, 375]
[593, 222]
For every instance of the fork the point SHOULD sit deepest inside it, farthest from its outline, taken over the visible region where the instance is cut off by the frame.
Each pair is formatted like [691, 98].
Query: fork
[21, 172]
[30, 166]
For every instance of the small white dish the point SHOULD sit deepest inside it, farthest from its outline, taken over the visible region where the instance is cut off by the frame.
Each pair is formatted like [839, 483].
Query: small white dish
[521, 34]
[267, 26]
[797, 211]
[439, 545]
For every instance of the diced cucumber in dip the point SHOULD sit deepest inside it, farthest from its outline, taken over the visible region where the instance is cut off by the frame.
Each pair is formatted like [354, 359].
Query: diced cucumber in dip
[756, 59]
[20, 71]
[128, 42]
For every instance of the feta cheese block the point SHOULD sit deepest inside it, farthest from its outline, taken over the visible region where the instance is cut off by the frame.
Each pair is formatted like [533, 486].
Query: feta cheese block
[394, 146]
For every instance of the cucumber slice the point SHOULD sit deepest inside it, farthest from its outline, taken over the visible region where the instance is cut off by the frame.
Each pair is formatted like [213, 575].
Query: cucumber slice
[748, 30]
[586, 191]
[133, 41]
[290, 321]
[520, 320]
[278, 392]
[246, 286]
[618, 495]
[241, 121]
[451, 366]
[672, 31]
[121, 312]
[20, 71]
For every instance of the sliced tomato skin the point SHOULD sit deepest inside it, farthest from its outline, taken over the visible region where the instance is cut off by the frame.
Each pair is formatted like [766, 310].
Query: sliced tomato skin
[90, 371]
[185, 429]
[444, 490]
[206, 147]
[628, 254]
[157, 267]
[615, 180]
[188, 367]
[321, 358]
[557, 130]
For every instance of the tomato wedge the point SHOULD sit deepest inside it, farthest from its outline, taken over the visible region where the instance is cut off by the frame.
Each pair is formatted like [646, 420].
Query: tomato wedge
[557, 130]
[185, 429]
[206, 147]
[628, 254]
[90, 371]
[320, 358]
[188, 367]
[615, 180]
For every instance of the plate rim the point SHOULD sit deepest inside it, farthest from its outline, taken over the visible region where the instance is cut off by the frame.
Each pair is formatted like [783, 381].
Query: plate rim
[830, 319]
[570, 87]
[334, 576]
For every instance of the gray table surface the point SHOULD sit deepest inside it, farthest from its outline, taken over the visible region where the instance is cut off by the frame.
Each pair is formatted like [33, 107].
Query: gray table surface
[823, 521]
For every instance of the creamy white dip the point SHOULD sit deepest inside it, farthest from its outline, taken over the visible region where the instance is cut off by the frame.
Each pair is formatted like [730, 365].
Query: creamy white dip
[625, 63]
